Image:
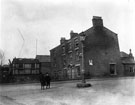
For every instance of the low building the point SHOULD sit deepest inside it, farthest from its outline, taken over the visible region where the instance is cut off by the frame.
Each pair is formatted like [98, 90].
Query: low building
[128, 63]
[45, 63]
[25, 69]
[5, 74]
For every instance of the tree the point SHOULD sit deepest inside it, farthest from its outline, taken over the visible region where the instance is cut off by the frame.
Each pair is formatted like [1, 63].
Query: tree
[2, 57]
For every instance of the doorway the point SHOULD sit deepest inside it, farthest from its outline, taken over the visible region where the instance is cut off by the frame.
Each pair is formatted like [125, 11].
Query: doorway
[113, 69]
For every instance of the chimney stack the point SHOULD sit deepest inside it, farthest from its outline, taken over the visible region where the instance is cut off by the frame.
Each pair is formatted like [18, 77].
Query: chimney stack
[73, 34]
[62, 40]
[97, 22]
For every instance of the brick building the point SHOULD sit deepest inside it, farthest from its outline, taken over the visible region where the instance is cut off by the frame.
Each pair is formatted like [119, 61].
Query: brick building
[100, 51]
[45, 63]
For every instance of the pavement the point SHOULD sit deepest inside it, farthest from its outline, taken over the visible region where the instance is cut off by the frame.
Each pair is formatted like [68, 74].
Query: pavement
[115, 91]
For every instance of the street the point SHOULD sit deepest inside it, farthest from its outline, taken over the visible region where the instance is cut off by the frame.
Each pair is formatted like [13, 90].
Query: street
[103, 92]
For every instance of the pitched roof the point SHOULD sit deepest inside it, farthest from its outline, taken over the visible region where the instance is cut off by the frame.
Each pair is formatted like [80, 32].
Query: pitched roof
[126, 59]
[5, 65]
[99, 37]
[123, 54]
[43, 58]
[55, 47]
[25, 60]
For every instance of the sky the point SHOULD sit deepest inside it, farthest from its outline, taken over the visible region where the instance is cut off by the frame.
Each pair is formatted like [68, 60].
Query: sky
[27, 22]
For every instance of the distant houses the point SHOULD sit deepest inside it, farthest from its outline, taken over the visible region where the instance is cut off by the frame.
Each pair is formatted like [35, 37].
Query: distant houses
[25, 69]
[128, 63]
[5, 74]
[28, 69]
[45, 63]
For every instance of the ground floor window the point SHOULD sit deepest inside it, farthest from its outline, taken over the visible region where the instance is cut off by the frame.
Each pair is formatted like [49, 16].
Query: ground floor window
[113, 69]
[69, 73]
[27, 71]
[65, 73]
[35, 71]
[73, 73]
[78, 70]
[21, 71]
[131, 69]
[15, 71]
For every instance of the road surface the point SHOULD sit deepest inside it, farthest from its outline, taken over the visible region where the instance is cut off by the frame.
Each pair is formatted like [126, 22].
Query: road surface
[103, 92]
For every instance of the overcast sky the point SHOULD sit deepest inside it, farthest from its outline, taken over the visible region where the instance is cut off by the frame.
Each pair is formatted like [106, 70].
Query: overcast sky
[49, 20]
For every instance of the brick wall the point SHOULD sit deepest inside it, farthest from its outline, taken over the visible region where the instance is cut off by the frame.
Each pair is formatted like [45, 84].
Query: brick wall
[102, 48]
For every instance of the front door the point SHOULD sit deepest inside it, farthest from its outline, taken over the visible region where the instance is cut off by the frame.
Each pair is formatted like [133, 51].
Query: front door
[78, 71]
[113, 69]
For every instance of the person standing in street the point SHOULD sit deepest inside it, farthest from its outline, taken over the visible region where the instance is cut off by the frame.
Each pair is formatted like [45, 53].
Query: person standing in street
[42, 81]
[48, 79]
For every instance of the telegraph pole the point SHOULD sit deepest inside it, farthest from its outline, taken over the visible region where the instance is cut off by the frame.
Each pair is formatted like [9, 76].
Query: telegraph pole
[23, 42]
[36, 46]
[83, 83]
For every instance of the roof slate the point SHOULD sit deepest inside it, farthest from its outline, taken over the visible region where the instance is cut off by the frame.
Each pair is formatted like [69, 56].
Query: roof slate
[43, 58]
[25, 60]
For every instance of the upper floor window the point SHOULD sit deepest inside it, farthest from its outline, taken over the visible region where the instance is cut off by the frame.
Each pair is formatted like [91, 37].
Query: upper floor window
[33, 65]
[37, 65]
[70, 55]
[53, 53]
[64, 62]
[70, 46]
[77, 55]
[63, 49]
[76, 43]
[54, 62]
[27, 66]
[16, 65]
[20, 65]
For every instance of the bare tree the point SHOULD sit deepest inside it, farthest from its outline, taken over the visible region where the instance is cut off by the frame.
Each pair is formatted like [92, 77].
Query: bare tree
[2, 57]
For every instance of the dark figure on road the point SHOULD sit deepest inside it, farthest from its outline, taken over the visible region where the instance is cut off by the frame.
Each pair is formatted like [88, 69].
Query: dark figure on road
[48, 79]
[42, 81]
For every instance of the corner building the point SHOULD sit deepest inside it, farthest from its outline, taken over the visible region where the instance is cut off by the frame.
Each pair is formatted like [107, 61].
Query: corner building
[100, 51]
